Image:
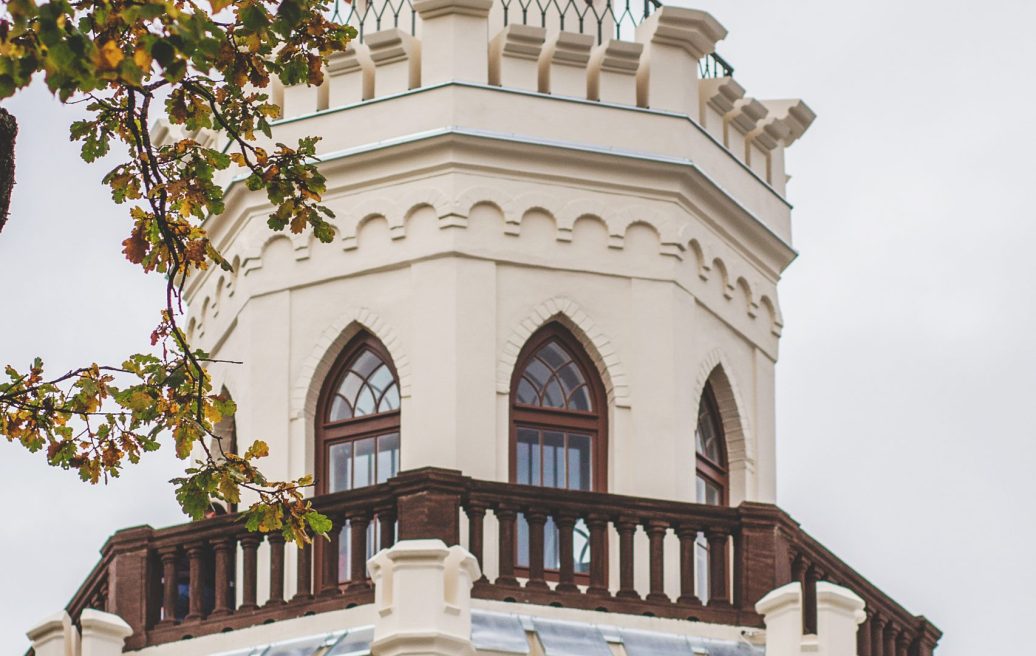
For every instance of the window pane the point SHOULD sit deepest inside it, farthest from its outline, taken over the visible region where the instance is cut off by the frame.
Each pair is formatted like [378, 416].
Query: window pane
[553, 459]
[344, 570]
[537, 373]
[350, 386]
[380, 380]
[388, 456]
[580, 400]
[365, 402]
[339, 458]
[579, 477]
[528, 455]
[363, 470]
[553, 397]
[390, 401]
[554, 355]
[527, 394]
[570, 376]
[366, 363]
[340, 409]
[708, 492]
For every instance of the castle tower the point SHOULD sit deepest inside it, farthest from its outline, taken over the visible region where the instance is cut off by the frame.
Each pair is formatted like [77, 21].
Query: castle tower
[545, 331]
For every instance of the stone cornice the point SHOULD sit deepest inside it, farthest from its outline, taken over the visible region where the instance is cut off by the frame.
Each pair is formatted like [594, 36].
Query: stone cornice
[435, 8]
[690, 29]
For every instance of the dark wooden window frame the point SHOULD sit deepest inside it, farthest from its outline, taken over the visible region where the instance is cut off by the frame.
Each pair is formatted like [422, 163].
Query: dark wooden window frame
[347, 430]
[354, 428]
[717, 473]
[593, 423]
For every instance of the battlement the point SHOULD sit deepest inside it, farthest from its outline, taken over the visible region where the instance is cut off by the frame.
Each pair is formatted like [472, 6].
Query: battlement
[620, 53]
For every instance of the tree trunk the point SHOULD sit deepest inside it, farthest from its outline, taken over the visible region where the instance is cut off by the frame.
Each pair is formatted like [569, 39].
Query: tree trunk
[8, 131]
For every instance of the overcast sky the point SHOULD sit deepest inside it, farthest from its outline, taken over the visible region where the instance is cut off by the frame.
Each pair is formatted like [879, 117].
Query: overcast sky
[905, 418]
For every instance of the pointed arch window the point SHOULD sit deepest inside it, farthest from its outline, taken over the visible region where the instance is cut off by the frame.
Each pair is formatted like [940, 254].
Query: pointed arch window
[558, 431]
[712, 478]
[358, 439]
[711, 451]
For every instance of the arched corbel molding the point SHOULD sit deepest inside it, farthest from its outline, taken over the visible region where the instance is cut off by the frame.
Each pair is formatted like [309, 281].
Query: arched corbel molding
[332, 340]
[598, 346]
[774, 314]
[740, 440]
[528, 202]
[384, 207]
[751, 305]
[576, 209]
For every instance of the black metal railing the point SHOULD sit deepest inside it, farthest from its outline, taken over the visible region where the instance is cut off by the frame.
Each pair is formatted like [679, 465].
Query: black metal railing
[712, 65]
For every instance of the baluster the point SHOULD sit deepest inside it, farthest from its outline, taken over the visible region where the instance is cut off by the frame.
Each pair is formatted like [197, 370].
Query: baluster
[358, 522]
[902, 643]
[250, 567]
[877, 635]
[718, 583]
[329, 559]
[276, 541]
[809, 601]
[303, 577]
[656, 531]
[387, 526]
[506, 516]
[863, 635]
[566, 523]
[537, 519]
[195, 553]
[598, 525]
[476, 513]
[627, 529]
[890, 639]
[688, 536]
[223, 548]
[169, 589]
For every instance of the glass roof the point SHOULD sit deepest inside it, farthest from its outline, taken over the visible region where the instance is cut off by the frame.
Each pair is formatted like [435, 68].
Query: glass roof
[508, 633]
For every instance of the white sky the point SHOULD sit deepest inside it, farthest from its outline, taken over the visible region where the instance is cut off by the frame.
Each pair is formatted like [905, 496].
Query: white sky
[906, 439]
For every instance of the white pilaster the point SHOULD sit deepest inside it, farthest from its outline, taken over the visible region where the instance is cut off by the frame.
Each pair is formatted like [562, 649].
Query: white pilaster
[54, 636]
[839, 613]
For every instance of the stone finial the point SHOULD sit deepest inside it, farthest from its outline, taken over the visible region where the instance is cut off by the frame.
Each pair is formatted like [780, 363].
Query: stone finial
[691, 30]
[563, 65]
[674, 39]
[350, 76]
[839, 613]
[422, 594]
[104, 634]
[454, 34]
[397, 61]
[793, 115]
[54, 636]
[514, 56]
[612, 72]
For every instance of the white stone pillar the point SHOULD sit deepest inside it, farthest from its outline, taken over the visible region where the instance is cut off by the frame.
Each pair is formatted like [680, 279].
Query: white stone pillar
[54, 636]
[104, 634]
[454, 40]
[422, 594]
[839, 614]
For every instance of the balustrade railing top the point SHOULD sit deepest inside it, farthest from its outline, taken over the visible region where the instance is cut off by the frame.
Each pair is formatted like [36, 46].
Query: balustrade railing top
[186, 580]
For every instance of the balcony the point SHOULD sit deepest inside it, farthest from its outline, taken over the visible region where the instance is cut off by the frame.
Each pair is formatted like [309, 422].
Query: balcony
[142, 571]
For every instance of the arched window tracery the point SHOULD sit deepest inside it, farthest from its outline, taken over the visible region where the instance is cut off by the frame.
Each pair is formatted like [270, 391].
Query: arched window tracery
[558, 431]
